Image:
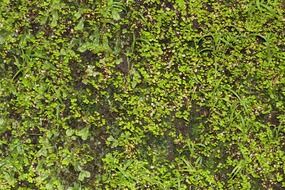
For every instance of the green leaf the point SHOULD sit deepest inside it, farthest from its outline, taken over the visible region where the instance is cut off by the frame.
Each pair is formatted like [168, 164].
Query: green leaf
[181, 4]
[69, 132]
[116, 15]
[54, 19]
[83, 174]
[83, 133]
[80, 25]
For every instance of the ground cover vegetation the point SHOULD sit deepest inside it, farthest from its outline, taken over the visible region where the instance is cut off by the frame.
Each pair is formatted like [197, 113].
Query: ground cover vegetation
[142, 94]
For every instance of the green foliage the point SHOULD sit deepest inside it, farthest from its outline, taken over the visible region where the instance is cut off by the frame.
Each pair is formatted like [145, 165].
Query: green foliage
[125, 94]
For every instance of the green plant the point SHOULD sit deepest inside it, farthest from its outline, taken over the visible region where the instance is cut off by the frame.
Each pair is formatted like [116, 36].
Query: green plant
[124, 94]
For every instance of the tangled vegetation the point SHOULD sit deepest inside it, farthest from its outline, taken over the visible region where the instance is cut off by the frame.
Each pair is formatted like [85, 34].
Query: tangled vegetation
[142, 94]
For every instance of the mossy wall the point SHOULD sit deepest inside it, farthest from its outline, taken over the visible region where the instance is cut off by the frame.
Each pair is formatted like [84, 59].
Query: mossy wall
[132, 94]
